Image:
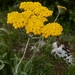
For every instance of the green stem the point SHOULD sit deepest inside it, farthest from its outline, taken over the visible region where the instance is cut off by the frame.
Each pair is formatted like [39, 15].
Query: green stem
[57, 17]
[29, 62]
[35, 38]
[31, 59]
[16, 71]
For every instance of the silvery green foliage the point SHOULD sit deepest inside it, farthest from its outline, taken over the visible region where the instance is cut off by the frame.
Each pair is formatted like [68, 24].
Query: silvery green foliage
[3, 31]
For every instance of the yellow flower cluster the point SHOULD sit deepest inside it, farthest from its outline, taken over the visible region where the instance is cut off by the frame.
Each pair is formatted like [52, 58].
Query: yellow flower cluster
[18, 20]
[61, 7]
[34, 26]
[51, 29]
[36, 8]
[29, 5]
[33, 18]
[31, 9]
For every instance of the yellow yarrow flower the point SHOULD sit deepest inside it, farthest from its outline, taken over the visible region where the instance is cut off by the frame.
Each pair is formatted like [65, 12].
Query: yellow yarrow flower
[43, 11]
[31, 9]
[37, 8]
[34, 26]
[29, 5]
[61, 7]
[16, 19]
[33, 18]
[51, 29]
[11, 17]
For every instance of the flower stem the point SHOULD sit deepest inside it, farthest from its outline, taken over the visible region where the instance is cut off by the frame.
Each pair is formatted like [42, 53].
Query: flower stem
[57, 17]
[16, 71]
[27, 66]
[29, 62]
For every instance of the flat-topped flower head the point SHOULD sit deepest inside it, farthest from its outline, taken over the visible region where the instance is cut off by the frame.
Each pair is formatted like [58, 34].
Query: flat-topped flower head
[34, 26]
[29, 5]
[51, 29]
[36, 8]
[61, 7]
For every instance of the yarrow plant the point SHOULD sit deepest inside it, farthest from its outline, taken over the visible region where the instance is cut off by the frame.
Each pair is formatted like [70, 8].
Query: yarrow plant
[32, 19]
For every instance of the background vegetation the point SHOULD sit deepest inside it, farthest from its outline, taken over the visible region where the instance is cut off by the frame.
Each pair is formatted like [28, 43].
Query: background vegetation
[11, 41]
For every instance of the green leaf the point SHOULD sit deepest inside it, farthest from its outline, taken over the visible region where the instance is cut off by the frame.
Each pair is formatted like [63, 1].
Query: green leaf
[3, 55]
[2, 66]
[23, 73]
[4, 30]
[2, 43]
[1, 61]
